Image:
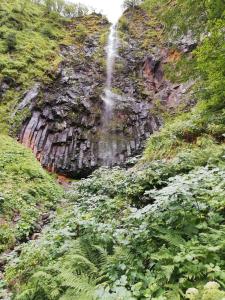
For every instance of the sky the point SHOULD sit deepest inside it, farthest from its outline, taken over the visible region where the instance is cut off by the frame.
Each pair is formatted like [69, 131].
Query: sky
[111, 8]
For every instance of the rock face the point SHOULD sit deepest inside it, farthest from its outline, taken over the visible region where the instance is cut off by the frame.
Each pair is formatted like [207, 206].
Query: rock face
[158, 87]
[66, 131]
[66, 136]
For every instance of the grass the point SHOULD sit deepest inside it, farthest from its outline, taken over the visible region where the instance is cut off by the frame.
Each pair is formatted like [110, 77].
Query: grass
[26, 192]
[29, 50]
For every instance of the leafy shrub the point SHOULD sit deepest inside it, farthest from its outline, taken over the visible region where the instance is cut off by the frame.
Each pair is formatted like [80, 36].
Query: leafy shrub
[48, 31]
[113, 231]
[11, 42]
[188, 130]
[211, 291]
[123, 24]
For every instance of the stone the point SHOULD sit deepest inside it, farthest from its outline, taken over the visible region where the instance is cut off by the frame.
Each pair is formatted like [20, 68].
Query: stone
[67, 132]
[30, 96]
[187, 43]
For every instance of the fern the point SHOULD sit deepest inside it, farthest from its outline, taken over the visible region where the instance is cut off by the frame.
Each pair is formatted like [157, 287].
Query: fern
[79, 287]
[156, 250]
[75, 275]
[79, 264]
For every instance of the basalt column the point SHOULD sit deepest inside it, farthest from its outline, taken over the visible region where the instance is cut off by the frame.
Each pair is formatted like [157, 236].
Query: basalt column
[77, 123]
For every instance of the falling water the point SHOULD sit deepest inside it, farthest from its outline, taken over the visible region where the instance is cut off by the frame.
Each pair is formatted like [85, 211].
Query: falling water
[111, 54]
[108, 145]
[111, 51]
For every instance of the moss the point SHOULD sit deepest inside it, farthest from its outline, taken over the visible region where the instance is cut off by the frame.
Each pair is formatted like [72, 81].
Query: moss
[26, 191]
[34, 54]
[180, 68]
[123, 24]
[17, 120]
[88, 26]
[103, 37]
[120, 66]
[197, 128]
[117, 91]
[81, 32]
[7, 106]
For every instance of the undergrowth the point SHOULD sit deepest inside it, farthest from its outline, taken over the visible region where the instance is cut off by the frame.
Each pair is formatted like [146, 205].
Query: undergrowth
[150, 232]
[155, 231]
[26, 192]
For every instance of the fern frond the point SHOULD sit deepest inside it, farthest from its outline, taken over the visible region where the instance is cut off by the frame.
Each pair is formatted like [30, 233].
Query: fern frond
[79, 264]
[79, 287]
[171, 236]
[96, 254]
[26, 294]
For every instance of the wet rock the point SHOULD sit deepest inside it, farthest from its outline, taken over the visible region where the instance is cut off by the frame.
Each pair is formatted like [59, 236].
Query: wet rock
[187, 43]
[65, 136]
[4, 87]
[30, 96]
[66, 130]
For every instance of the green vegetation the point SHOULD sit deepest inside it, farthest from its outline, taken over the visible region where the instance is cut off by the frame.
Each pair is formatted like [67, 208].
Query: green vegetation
[81, 32]
[28, 50]
[191, 130]
[29, 42]
[30, 36]
[26, 192]
[155, 231]
[206, 66]
[206, 21]
[180, 16]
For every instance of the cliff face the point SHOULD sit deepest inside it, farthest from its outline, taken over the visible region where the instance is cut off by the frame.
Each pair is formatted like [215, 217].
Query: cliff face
[66, 129]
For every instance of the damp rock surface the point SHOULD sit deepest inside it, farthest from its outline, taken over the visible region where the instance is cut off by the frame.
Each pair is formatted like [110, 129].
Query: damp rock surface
[65, 130]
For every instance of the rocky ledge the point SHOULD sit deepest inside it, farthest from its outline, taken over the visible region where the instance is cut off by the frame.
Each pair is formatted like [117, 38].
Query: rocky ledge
[66, 129]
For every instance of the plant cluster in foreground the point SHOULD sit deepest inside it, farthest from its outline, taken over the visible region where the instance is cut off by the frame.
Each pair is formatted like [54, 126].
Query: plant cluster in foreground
[148, 233]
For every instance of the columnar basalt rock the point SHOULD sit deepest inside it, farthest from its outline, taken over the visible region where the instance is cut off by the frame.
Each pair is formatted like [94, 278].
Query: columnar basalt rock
[64, 135]
[65, 127]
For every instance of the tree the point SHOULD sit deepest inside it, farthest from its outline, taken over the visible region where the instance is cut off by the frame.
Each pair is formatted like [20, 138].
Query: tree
[50, 5]
[131, 3]
[60, 4]
[70, 10]
[82, 10]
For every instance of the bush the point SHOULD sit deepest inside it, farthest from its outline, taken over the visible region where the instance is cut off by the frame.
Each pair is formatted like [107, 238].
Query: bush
[81, 32]
[123, 24]
[131, 3]
[11, 42]
[48, 31]
[211, 291]
[153, 230]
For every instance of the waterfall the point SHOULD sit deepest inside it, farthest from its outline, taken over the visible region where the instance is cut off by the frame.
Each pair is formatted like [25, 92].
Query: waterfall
[111, 51]
[108, 144]
[111, 54]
